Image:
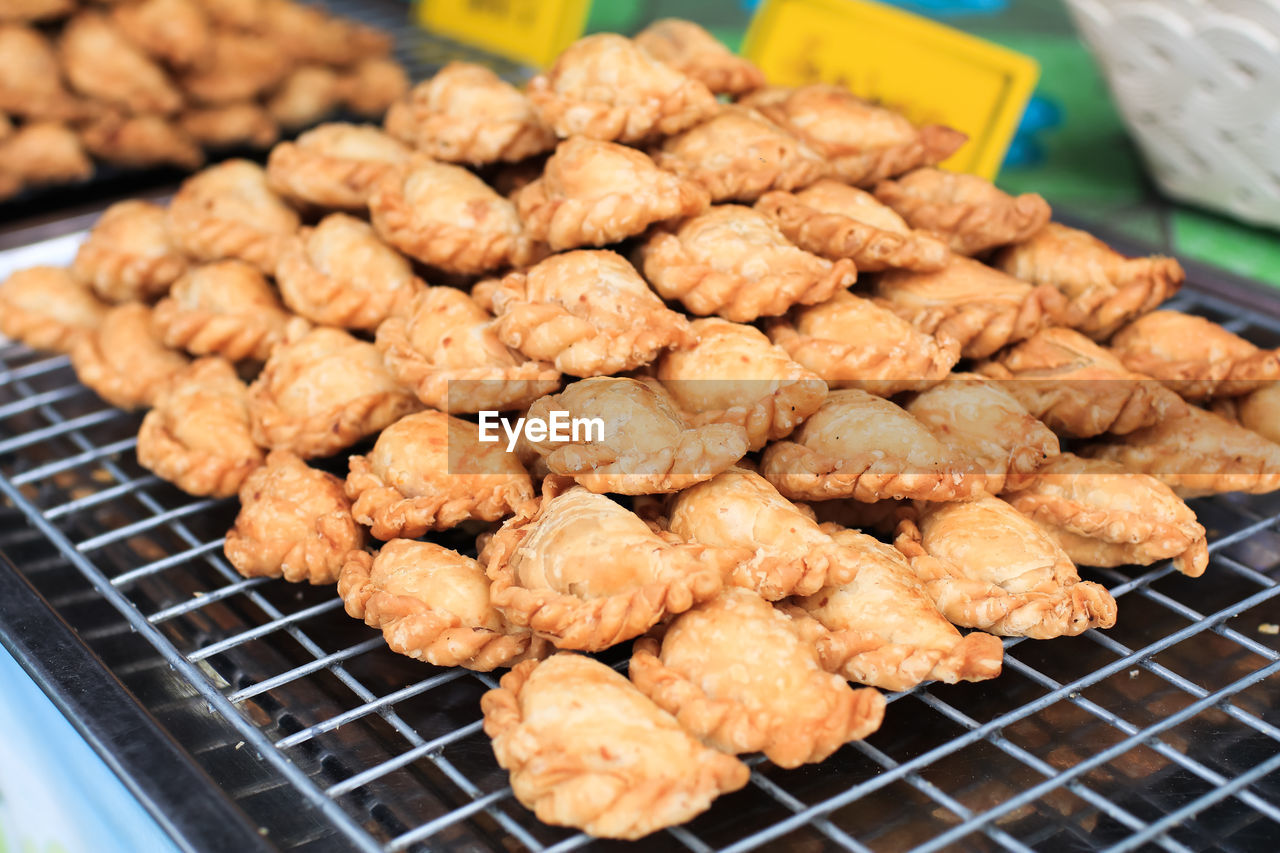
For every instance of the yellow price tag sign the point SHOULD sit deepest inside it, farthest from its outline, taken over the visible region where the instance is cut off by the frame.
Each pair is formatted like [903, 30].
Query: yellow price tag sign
[931, 72]
[530, 31]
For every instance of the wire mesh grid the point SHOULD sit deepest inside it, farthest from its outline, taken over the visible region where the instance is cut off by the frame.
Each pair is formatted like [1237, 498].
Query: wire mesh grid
[1162, 732]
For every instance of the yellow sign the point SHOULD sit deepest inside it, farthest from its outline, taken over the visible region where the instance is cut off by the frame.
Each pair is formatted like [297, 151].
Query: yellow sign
[932, 73]
[532, 31]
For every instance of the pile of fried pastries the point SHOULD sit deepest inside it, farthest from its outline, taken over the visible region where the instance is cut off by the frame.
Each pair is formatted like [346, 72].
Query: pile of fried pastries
[155, 82]
[862, 417]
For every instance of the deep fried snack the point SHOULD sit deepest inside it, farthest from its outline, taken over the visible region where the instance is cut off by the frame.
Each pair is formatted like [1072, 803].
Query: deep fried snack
[104, 65]
[444, 337]
[882, 628]
[45, 152]
[197, 436]
[235, 14]
[142, 140]
[738, 154]
[640, 443]
[861, 446]
[1258, 411]
[226, 308]
[734, 262]
[733, 375]
[430, 471]
[445, 216]
[982, 420]
[373, 85]
[35, 10]
[294, 523]
[310, 34]
[836, 221]
[177, 32]
[123, 359]
[605, 87]
[334, 165]
[588, 312]
[1078, 388]
[783, 703]
[980, 307]
[966, 210]
[229, 211]
[864, 143]
[241, 66]
[1104, 515]
[432, 604]
[593, 193]
[852, 342]
[467, 114]
[587, 749]
[693, 51]
[340, 274]
[1194, 356]
[988, 566]
[738, 507]
[227, 125]
[586, 573]
[47, 308]
[1197, 453]
[1104, 288]
[30, 78]
[308, 94]
[128, 255]
[322, 392]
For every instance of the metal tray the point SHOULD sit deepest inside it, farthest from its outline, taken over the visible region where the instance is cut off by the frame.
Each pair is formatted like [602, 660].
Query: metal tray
[299, 726]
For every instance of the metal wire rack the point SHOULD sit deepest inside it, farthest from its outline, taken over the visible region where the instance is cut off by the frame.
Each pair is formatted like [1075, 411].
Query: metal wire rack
[1162, 733]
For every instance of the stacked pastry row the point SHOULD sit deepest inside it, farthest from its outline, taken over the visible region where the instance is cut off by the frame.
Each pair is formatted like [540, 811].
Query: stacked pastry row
[834, 385]
[156, 82]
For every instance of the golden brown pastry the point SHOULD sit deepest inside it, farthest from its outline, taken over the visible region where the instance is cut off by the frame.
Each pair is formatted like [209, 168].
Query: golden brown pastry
[45, 152]
[1104, 515]
[429, 471]
[982, 420]
[1197, 453]
[593, 193]
[1104, 288]
[128, 255]
[226, 308]
[1258, 411]
[852, 342]
[861, 446]
[739, 674]
[334, 165]
[31, 84]
[444, 347]
[733, 375]
[309, 94]
[197, 436]
[123, 359]
[372, 85]
[229, 211]
[588, 312]
[35, 10]
[177, 32]
[633, 440]
[322, 392]
[445, 216]
[836, 221]
[102, 64]
[47, 308]
[1078, 388]
[310, 34]
[982, 308]
[235, 14]
[693, 51]
[605, 87]
[734, 262]
[987, 566]
[863, 142]
[1195, 357]
[241, 66]
[227, 125]
[294, 523]
[882, 628]
[141, 140]
[588, 750]
[586, 573]
[467, 114]
[968, 211]
[340, 274]
[738, 154]
[432, 604]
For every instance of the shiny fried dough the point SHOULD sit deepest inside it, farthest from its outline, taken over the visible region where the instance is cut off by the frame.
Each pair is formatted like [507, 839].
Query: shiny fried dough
[693, 51]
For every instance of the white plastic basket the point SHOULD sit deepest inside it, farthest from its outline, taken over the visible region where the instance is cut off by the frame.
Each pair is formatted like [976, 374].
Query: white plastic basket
[1198, 83]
